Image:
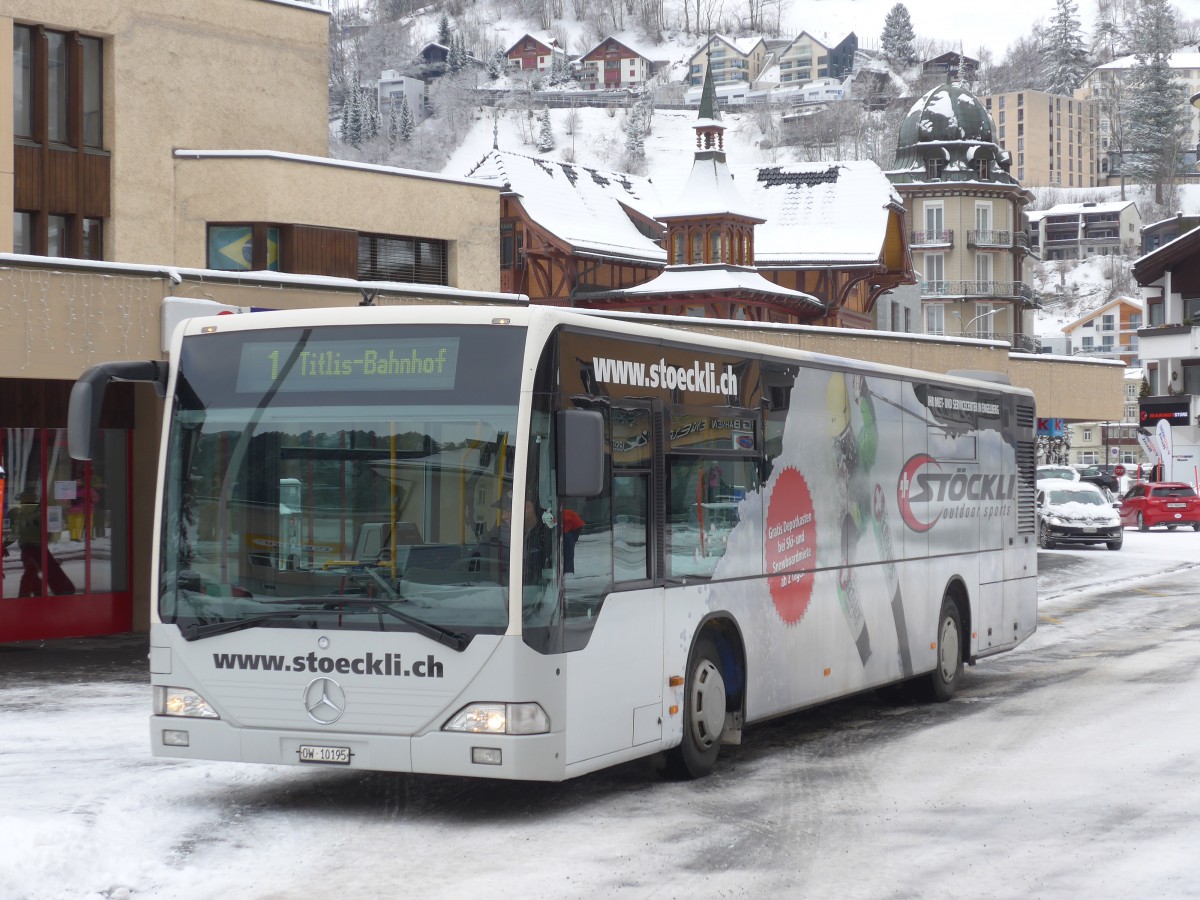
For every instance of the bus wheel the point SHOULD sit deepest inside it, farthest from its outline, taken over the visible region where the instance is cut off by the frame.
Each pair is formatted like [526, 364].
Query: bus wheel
[943, 681]
[703, 714]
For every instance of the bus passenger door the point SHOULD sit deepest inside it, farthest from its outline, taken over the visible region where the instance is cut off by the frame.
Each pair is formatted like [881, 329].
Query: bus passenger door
[615, 679]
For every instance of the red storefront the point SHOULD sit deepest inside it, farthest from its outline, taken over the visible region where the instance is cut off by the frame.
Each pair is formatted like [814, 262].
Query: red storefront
[65, 564]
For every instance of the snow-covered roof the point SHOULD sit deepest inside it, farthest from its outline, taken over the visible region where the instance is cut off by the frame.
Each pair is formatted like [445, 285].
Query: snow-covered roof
[1074, 209]
[624, 43]
[676, 280]
[1183, 59]
[581, 206]
[710, 190]
[819, 212]
[744, 46]
[542, 37]
[1116, 302]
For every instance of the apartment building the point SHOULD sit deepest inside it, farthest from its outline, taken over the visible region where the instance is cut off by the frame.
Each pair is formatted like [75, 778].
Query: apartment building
[1053, 139]
[731, 60]
[966, 212]
[1083, 230]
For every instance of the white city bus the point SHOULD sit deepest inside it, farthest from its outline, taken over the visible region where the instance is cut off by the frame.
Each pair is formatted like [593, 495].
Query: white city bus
[764, 530]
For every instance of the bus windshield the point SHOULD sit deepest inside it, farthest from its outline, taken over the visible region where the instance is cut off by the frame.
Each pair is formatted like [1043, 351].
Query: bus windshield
[355, 481]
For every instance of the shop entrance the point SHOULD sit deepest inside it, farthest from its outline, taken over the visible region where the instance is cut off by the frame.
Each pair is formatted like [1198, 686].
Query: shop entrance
[65, 563]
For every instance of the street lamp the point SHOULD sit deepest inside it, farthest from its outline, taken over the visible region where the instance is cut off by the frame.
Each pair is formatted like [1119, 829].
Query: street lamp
[966, 328]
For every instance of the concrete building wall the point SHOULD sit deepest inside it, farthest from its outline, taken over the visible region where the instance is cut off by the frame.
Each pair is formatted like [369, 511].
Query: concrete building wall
[313, 191]
[245, 74]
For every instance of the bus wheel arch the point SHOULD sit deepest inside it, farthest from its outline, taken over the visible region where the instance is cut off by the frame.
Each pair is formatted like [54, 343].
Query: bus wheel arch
[952, 647]
[713, 698]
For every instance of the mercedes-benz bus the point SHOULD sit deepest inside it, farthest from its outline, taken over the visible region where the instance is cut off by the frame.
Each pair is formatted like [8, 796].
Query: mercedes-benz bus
[529, 543]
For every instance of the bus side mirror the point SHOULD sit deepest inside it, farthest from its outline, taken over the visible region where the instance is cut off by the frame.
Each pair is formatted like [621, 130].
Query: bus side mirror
[87, 399]
[580, 453]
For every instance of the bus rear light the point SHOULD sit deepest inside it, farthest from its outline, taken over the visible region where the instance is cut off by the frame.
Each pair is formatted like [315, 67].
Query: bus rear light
[500, 718]
[173, 701]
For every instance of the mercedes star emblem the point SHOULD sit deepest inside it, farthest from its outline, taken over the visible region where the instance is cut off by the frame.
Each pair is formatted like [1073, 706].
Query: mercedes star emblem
[324, 700]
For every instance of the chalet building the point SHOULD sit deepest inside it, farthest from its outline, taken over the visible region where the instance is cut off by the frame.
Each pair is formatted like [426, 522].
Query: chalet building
[534, 52]
[729, 60]
[1109, 332]
[954, 66]
[614, 65]
[567, 230]
[710, 247]
[800, 243]
[806, 59]
[967, 215]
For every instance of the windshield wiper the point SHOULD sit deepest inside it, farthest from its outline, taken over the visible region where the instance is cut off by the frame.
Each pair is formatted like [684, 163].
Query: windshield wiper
[455, 640]
[196, 631]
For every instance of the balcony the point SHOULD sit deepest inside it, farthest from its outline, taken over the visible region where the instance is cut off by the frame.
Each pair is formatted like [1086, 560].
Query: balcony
[1169, 342]
[999, 239]
[1005, 290]
[931, 238]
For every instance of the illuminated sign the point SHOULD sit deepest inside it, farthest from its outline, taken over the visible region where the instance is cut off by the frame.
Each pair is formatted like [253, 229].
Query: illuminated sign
[1173, 412]
[415, 364]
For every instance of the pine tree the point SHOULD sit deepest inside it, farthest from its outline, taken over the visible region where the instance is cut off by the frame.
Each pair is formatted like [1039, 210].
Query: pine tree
[1156, 104]
[545, 141]
[560, 72]
[407, 125]
[369, 113]
[635, 141]
[393, 128]
[457, 58]
[898, 37]
[1066, 56]
[496, 64]
[444, 30]
[352, 113]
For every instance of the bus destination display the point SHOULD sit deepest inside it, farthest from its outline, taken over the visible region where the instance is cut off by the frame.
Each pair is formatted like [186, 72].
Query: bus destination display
[415, 364]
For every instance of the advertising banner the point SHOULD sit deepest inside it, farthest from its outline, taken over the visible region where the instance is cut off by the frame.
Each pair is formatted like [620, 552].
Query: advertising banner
[1163, 433]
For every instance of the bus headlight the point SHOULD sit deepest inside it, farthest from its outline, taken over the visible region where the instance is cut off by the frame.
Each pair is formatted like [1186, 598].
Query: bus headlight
[173, 701]
[500, 718]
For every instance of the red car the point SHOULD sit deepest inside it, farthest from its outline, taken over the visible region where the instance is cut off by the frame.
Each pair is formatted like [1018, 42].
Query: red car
[1167, 503]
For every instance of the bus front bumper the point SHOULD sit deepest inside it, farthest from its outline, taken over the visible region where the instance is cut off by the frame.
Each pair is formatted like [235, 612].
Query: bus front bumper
[538, 757]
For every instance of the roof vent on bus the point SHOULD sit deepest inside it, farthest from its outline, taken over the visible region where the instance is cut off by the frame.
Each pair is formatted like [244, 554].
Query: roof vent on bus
[981, 375]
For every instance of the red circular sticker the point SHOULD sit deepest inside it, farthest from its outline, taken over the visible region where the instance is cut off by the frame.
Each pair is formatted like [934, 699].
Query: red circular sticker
[791, 545]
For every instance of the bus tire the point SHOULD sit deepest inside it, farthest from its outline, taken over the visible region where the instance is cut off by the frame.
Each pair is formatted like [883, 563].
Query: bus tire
[943, 680]
[703, 714]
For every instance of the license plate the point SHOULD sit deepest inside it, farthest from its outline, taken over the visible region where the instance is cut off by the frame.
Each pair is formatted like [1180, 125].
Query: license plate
[1176, 506]
[1089, 530]
[338, 756]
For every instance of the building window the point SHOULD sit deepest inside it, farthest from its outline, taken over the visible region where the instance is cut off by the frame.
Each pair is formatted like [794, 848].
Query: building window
[93, 93]
[22, 232]
[56, 236]
[22, 82]
[93, 239]
[935, 166]
[935, 318]
[58, 106]
[243, 248]
[1087, 435]
[418, 260]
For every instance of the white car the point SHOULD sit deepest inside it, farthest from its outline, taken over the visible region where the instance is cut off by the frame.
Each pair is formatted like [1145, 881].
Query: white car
[1076, 512]
[1065, 473]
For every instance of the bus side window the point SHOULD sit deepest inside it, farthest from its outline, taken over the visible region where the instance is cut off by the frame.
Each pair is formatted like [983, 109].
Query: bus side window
[703, 506]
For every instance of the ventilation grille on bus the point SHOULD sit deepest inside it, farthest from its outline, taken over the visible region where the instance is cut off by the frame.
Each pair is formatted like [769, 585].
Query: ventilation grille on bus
[1024, 415]
[1026, 478]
